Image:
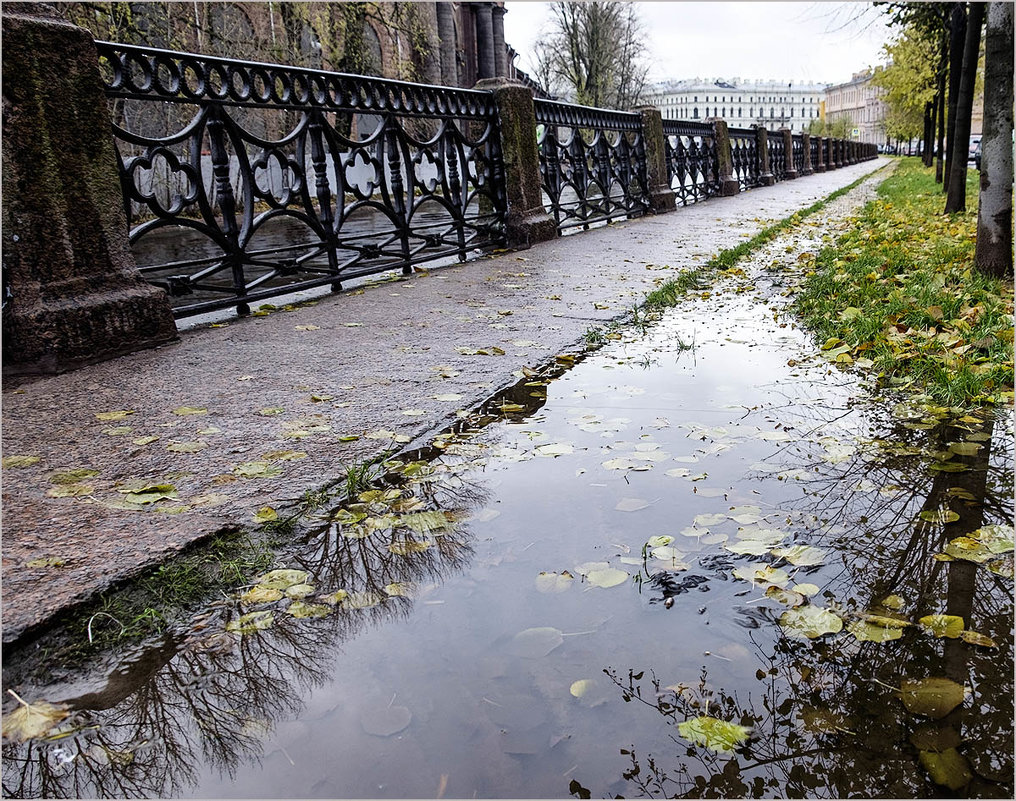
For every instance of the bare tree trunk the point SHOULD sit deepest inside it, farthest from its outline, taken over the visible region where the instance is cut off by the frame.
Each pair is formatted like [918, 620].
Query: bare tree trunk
[943, 69]
[993, 254]
[956, 194]
[957, 32]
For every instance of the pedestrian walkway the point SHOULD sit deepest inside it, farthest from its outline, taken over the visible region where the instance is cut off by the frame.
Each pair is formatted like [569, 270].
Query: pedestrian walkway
[224, 414]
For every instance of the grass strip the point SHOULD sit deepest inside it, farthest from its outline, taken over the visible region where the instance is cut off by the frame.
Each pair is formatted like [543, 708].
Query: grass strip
[897, 294]
[669, 292]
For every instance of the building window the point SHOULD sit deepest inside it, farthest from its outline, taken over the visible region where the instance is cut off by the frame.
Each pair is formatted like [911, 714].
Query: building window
[695, 113]
[772, 113]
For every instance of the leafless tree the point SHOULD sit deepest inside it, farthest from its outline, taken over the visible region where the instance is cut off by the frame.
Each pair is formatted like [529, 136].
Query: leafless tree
[595, 51]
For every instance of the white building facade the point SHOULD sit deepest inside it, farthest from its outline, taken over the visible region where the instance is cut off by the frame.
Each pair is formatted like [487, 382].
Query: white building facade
[772, 104]
[861, 104]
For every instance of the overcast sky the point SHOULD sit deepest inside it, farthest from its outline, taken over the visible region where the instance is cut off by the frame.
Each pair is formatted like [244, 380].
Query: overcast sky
[804, 41]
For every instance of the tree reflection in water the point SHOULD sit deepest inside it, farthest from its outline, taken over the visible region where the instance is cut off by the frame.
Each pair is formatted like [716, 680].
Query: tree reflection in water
[827, 721]
[214, 697]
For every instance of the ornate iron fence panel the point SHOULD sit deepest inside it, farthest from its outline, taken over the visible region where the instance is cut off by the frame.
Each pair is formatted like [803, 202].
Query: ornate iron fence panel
[244, 181]
[777, 155]
[592, 163]
[745, 157]
[692, 161]
[798, 142]
[815, 143]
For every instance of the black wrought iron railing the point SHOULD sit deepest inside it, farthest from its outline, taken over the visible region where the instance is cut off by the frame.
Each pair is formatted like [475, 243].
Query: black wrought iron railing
[692, 160]
[798, 142]
[243, 181]
[777, 155]
[744, 157]
[592, 163]
[815, 144]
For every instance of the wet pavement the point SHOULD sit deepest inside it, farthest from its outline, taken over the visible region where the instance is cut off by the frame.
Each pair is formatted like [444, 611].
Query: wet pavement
[224, 414]
[706, 522]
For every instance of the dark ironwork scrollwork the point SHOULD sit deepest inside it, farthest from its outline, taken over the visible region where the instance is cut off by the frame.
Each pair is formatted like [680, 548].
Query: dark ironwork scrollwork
[592, 163]
[777, 155]
[244, 181]
[815, 143]
[692, 160]
[745, 156]
[798, 142]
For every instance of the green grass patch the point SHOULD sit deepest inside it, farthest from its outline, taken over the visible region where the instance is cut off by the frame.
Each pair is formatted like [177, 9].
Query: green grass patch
[898, 294]
[669, 292]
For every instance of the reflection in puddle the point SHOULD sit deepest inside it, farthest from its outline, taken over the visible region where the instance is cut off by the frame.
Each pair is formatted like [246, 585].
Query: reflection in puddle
[503, 614]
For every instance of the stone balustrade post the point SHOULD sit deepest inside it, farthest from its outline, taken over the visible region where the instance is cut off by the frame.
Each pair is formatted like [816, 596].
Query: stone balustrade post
[830, 159]
[526, 221]
[820, 164]
[75, 293]
[660, 194]
[790, 171]
[725, 161]
[765, 171]
[806, 147]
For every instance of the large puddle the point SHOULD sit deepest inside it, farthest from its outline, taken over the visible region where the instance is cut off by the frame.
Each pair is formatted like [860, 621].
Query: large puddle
[563, 601]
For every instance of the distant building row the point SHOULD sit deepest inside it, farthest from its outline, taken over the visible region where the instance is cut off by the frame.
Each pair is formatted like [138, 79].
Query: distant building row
[776, 104]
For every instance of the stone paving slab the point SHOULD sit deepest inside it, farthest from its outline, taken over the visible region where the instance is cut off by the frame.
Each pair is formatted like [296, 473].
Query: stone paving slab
[351, 364]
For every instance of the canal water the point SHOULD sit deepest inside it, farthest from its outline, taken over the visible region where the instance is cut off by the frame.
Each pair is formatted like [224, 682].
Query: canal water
[603, 584]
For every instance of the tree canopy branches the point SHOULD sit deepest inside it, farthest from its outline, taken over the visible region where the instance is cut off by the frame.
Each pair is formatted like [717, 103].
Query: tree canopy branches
[594, 51]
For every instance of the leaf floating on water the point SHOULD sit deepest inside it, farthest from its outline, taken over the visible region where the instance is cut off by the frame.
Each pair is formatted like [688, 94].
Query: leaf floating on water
[610, 577]
[806, 589]
[423, 522]
[183, 411]
[548, 582]
[973, 638]
[659, 541]
[713, 733]
[586, 567]
[384, 721]
[801, 555]
[18, 461]
[555, 449]
[933, 697]
[408, 547]
[785, 597]
[334, 598]
[301, 609]
[363, 600]
[260, 594]
[752, 547]
[398, 589]
[704, 521]
[810, 621]
[942, 625]
[631, 504]
[281, 579]
[940, 516]
[536, 642]
[965, 448]
[894, 602]
[251, 622]
[865, 631]
[969, 549]
[948, 768]
[299, 591]
[30, 721]
[589, 692]
[761, 573]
